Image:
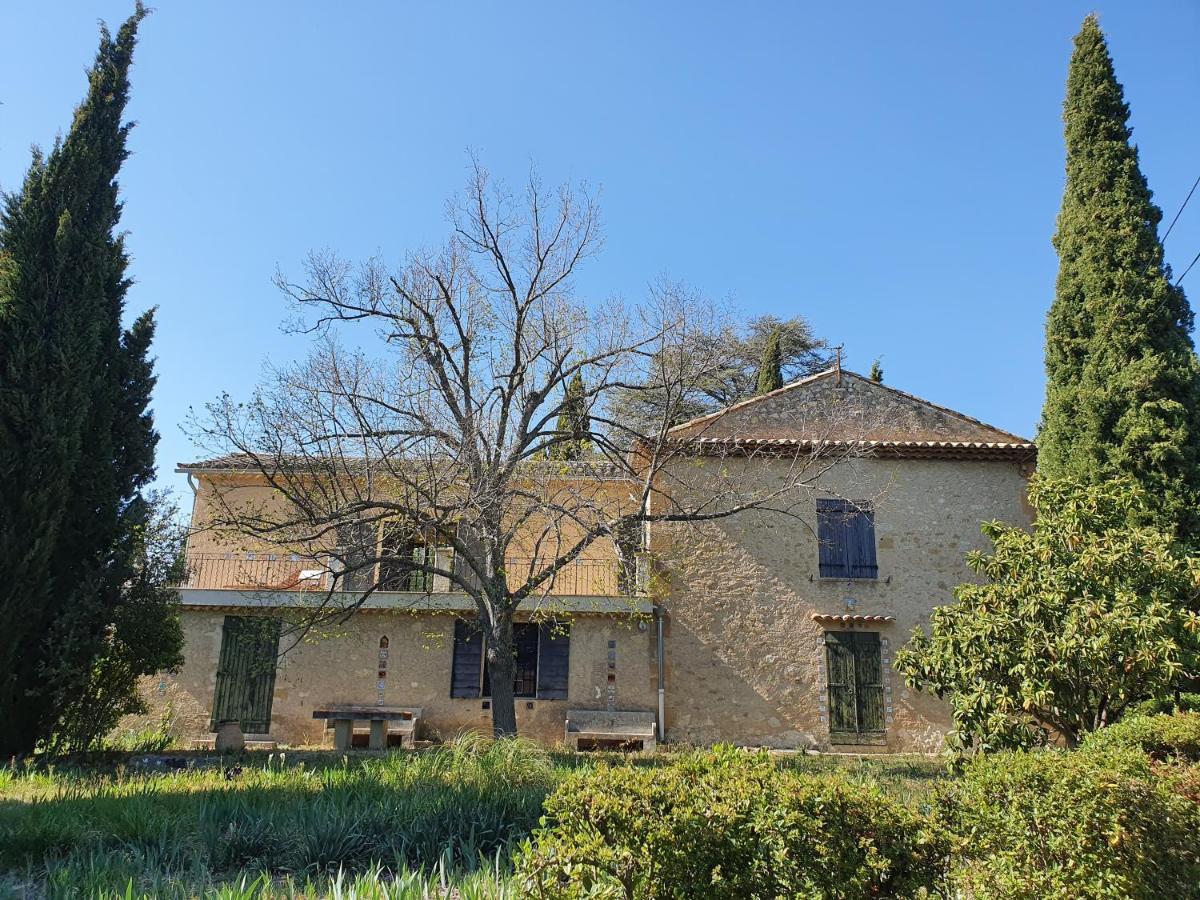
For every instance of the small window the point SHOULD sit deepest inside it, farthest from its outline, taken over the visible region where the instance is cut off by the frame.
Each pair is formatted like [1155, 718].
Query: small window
[856, 706]
[541, 665]
[846, 539]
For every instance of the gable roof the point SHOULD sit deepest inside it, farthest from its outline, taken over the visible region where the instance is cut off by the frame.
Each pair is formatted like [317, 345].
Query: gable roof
[835, 407]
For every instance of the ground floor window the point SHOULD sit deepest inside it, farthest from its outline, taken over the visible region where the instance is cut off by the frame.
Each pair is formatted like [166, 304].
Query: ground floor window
[541, 665]
[246, 673]
[856, 701]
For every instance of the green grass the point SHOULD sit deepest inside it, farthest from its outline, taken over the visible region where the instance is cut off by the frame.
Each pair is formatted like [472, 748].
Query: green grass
[437, 823]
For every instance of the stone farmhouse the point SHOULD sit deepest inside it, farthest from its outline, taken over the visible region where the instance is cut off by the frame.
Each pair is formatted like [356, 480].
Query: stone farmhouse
[758, 629]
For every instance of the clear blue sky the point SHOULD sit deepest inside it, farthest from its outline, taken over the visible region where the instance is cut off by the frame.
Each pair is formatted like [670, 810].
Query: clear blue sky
[890, 171]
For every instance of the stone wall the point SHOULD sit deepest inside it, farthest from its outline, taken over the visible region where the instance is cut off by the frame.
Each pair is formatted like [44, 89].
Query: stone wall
[341, 667]
[745, 660]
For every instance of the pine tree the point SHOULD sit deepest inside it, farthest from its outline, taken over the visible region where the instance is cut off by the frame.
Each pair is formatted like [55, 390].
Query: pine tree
[76, 438]
[770, 370]
[1123, 382]
[573, 429]
[877, 371]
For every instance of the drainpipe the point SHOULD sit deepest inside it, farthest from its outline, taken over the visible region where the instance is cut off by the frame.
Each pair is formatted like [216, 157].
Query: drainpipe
[662, 675]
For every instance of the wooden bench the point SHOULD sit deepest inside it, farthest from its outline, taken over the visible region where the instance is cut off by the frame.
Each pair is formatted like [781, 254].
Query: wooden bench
[403, 718]
[602, 729]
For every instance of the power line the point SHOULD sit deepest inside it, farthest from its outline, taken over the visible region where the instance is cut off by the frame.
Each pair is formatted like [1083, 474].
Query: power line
[1188, 269]
[1181, 209]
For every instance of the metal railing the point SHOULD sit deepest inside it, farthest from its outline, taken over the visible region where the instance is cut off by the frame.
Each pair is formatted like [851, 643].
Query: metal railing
[249, 572]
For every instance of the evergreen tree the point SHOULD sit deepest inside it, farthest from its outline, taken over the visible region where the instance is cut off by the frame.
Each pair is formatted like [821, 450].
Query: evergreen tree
[76, 438]
[1123, 383]
[573, 430]
[770, 370]
[877, 371]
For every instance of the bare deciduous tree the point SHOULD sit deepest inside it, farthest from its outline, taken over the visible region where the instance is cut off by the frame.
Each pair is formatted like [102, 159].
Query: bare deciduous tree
[445, 430]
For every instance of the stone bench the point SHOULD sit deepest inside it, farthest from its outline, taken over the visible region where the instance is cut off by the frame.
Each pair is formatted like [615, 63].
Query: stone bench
[403, 719]
[602, 728]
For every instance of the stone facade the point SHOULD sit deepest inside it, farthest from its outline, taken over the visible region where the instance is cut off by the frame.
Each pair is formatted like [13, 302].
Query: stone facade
[746, 660]
[339, 667]
[742, 597]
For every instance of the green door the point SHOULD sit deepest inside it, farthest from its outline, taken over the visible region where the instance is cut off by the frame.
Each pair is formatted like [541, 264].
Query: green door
[246, 673]
[856, 704]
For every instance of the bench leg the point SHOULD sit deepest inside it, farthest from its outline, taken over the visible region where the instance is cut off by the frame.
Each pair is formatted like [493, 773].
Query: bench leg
[342, 730]
[378, 734]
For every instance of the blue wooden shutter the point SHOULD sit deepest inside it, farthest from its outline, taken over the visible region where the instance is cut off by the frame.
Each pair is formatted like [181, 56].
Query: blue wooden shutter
[861, 543]
[831, 538]
[468, 660]
[554, 661]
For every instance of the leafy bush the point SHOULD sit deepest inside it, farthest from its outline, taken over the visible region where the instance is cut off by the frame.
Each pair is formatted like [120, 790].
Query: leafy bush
[1185, 702]
[1160, 736]
[725, 824]
[1054, 824]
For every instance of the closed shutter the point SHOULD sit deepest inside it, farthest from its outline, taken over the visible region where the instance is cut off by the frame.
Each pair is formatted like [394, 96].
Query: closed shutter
[831, 538]
[468, 660]
[246, 673]
[868, 673]
[843, 705]
[846, 539]
[856, 696]
[554, 661]
[861, 544]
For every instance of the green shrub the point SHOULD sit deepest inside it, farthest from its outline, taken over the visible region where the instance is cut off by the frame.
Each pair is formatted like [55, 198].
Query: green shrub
[1186, 702]
[1055, 824]
[1161, 736]
[725, 824]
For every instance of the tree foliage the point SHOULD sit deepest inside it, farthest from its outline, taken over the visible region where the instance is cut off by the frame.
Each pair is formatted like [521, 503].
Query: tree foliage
[1072, 621]
[770, 370]
[76, 438]
[144, 636]
[733, 351]
[570, 440]
[1123, 382]
[876, 371]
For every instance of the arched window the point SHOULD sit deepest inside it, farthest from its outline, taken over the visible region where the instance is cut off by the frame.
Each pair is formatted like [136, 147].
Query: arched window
[383, 643]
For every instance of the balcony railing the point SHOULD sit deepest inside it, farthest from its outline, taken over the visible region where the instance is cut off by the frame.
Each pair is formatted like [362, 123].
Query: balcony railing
[251, 572]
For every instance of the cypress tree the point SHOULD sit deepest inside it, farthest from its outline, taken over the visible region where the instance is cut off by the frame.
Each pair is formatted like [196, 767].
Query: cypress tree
[76, 438]
[573, 428]
[770, 370]
[877, 372]
[1123, 383]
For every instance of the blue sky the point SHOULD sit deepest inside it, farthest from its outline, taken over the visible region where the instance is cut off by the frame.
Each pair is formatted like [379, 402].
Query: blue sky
[890, 171]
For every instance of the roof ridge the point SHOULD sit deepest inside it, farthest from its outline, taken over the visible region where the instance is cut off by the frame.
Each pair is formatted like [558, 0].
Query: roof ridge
[945, 409]
[833, 370]
[757, 398]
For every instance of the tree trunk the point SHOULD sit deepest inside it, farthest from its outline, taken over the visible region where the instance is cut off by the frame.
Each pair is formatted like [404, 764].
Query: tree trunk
[500, 671]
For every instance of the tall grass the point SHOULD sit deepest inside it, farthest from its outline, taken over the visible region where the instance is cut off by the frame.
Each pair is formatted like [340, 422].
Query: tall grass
[453, 812]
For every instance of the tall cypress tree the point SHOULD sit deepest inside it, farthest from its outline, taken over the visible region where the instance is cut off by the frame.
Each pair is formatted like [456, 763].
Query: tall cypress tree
[574, 426]
[1123, 383]
[770, 370]
[76, 439]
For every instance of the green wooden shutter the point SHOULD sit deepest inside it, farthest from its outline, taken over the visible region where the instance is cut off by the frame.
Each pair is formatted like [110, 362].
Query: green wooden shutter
[843, 706]
[856, 701]
[246, 673]
[868, 674]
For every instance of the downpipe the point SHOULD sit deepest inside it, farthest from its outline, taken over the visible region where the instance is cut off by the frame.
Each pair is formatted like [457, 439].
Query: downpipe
[662, 674]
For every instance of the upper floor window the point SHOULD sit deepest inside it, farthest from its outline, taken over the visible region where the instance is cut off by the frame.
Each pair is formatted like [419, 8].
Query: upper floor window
[846, 538]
